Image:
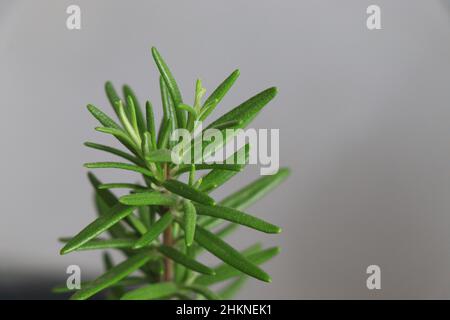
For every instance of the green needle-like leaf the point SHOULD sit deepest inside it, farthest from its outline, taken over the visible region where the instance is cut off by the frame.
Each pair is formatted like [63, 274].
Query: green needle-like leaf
[121, 186]
[113, 127]
[190, 220]
[129, 281]
[146, 144]
[152, 291]
[101, 224]
[188, 192]
[102, 117]
[171, 85]
[228, 254]
[117, 230]
[204, 291]
[160, 155]
[227, 124]
[116, 290]
[225, 271]
[130, 127]
[145, 215]
[136, 224]
[105, 201]
[155, 230]
[199, 93]
[114, 275]
[188, 108]
[113, 97]
[254, 191]
[254, 248]
[184, 260]
[164, 134]
[121, 135]
[218, 177]
[213, 100]
[205, 166]
[114, 151]
[248, 110]
[192, 176]
[236, 216]
[132, 111]
[118, 165]
[168, 107]
[117, 243]
[128, 92]
[150, 122]
[147, 199]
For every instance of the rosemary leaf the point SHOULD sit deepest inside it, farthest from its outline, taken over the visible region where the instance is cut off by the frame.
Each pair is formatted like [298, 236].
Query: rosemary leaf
[99, 225]
[118, 165]
[113, 275]
[155, 230]
[236, 216]
[152, 291]
[185, 260]
[248, 195]
[188, 192]
[228, 254]
[148, 198]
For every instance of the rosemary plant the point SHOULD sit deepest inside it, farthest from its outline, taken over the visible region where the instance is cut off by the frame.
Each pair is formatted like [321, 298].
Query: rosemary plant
[163, 224]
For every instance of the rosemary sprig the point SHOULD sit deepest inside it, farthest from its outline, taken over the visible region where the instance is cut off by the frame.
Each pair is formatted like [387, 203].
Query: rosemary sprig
[163, 224]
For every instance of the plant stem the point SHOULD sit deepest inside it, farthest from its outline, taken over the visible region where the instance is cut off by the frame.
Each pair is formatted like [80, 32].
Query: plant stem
[168, 264]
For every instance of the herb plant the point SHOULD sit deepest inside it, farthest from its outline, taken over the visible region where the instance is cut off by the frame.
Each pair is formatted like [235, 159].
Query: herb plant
[163, 224]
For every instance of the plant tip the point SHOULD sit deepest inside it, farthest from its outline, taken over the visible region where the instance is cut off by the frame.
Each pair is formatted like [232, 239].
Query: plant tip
[275, 90]
[146, 219]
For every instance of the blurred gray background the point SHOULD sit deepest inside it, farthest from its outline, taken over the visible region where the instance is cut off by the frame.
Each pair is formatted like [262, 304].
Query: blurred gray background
[364, 120]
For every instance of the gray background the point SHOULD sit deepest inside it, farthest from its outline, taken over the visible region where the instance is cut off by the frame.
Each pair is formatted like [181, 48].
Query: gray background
[364, 118]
